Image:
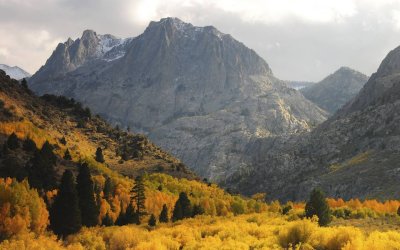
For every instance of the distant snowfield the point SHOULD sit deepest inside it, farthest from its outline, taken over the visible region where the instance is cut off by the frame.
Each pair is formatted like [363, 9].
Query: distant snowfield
[15, 72]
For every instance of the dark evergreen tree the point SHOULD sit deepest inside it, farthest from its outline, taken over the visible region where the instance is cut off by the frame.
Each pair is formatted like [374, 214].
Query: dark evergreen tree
[163, 218]
[24, 84]
[152, 221]
[177, 214]
[42, 174]
[131, 216]
[139, 197]
[108, 190]
[29, 145]
[87, 202]
[107, 221]
[99, 155]
[183, 208]
[398, 211]
[197, 210]
[317, 205]
[65, 216]
[121, 220]
[63, 141]
[13, 142]
[67, 155]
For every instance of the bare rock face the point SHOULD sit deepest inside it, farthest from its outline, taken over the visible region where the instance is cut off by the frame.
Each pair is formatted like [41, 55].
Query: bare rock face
[336, 89]
[195, 91]
[353, 154]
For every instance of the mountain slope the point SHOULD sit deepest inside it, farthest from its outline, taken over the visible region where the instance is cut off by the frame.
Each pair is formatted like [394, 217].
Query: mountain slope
[336, 89]
[195, 91]
[15, 72]
[353, 154]
[59, 119]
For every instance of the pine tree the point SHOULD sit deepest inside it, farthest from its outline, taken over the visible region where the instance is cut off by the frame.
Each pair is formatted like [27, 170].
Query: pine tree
[87, 202]
[13, 142]
[29, 145]
[67, 155]
[99, 155]
[139, 197]
[121, 220]
[318, 206]
[152, 221]
[24, 84]
[65, 216]
[183, 208]
[131, 216]
[163, 218]
[42, 173]
[398, 211]
[63, 141]
[177, 214]
[107, 221]
[108, 190]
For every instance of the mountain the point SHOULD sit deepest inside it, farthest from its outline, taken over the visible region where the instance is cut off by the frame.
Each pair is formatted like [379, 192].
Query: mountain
[15, 72]
[355, 153]
[195, 91]
[336, 89]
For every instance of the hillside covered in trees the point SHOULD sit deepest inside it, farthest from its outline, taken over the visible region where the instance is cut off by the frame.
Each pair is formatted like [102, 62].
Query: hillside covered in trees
[68, 180]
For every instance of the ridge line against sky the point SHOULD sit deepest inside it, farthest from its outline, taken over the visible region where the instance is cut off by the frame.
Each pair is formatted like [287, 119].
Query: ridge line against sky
[299, 39]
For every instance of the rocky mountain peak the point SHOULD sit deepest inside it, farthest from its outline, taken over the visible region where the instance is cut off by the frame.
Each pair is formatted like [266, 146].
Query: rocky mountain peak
[199, 93]
[380, 84]
[336, 89]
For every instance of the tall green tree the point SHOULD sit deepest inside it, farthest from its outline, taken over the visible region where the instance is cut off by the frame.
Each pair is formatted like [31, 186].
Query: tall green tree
[99, 155]
[139, 197]
[65, 216]
[317, 205]
[29, 145]
[67, 155]
[87, 202]
[152, 221]
[12, 141]
[42, 174]
[131, 216]
[183, 208]
[163, 218]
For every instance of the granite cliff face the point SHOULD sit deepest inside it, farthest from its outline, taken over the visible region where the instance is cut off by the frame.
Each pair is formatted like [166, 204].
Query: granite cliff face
[336, 89]
[195, 91]
[355, 153]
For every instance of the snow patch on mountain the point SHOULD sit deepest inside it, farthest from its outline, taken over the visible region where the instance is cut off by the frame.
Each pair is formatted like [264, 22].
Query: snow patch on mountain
[15, 72]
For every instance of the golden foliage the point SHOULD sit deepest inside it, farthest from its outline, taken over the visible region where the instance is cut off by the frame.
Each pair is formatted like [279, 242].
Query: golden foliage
[21, 209]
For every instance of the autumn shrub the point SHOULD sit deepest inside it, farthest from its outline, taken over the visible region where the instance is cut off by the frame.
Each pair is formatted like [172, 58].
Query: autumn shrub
[21, 209]
[297, 232]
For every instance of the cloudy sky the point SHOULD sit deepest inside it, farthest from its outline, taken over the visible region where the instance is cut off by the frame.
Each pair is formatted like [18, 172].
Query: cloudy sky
[300, 39]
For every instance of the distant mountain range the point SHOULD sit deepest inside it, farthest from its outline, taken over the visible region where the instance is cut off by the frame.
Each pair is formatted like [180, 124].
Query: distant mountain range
[15, 72]
[336, 89]
[196, 91]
